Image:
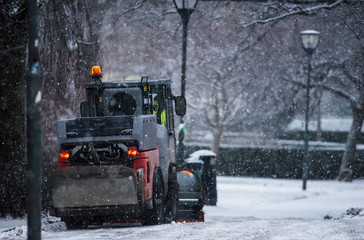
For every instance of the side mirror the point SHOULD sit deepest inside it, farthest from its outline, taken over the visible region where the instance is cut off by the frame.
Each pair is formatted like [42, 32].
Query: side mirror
[180, 105]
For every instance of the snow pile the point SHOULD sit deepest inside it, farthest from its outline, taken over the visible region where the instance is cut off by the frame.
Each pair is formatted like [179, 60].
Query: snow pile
[353, 213]
[18, 232]
[17, 228]
[52, 224]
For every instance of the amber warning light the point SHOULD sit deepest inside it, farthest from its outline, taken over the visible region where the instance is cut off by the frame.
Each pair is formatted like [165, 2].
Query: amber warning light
[96, 71]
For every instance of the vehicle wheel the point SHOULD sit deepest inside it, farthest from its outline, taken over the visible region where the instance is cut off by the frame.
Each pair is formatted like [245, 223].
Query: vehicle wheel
[155, 216]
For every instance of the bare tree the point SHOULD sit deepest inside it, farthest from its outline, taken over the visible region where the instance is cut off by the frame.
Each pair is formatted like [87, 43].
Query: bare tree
[346, 81]
[69, 47]
[220, 33]
[139, 38]
[233, 83]
[13, 43]
[341, 72]
[353, 69]
[219, 102]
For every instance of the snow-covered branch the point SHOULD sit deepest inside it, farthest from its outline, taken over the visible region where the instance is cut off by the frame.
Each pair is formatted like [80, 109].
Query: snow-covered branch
[132, 7]
[295, 10]
[88, 43]
[337, 91]
[6, 51]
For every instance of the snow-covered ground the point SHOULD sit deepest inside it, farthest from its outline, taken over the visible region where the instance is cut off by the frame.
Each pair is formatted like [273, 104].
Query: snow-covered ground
[248, 208]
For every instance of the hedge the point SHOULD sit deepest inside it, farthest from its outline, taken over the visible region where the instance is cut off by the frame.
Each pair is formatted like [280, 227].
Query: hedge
[280, 162]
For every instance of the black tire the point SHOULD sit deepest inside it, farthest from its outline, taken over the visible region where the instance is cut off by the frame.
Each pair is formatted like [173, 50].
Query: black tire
[155, 216]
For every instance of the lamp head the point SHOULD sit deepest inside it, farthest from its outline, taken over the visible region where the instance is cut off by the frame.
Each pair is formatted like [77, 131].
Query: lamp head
[310, 39]
[185, 4]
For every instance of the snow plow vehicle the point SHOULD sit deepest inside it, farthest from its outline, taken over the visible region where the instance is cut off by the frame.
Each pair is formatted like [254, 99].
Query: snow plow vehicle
[117, 161]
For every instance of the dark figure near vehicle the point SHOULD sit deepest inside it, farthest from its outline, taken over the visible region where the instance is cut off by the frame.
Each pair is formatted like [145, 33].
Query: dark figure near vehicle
[208, 178]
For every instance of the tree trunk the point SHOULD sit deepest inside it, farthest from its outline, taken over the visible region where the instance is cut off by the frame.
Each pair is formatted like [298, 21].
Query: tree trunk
[346, 172]
[217, 133]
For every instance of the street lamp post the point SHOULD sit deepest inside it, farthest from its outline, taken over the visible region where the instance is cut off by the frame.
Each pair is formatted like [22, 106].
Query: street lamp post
[185, 9]
[309, 40]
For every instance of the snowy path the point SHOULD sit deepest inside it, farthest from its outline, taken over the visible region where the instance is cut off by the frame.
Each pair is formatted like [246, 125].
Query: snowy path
[248, 208]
